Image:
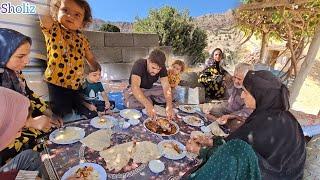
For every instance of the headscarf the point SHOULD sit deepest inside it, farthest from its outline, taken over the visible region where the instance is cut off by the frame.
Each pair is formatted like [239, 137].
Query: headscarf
[13, 115]
[10, 40]
[271, 129]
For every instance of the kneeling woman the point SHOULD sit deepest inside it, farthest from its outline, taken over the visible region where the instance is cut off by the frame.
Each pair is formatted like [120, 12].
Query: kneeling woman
[271, 131]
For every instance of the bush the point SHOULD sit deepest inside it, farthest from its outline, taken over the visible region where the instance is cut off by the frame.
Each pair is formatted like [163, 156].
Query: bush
[175, 29]
[109, 28]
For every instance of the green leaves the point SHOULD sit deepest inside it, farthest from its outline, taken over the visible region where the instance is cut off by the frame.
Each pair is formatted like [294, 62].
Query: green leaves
[109, 28]
[174, 29]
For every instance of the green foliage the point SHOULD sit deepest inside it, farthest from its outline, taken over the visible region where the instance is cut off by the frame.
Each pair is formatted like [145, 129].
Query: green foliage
[175, 29]
[109, 28]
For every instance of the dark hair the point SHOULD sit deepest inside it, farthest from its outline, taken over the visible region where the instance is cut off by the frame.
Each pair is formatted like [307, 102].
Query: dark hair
[158, 57]
[94, 68]
[180, 63]
[217, 49]
[55, 5]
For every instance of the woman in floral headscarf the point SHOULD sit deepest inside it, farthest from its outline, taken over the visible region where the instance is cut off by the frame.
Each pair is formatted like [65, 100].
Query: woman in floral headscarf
[14, 56]
[212, 76]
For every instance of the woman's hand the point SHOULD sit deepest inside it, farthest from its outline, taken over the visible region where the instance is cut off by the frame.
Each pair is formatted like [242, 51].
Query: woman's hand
[223, 119]
[41, 123]
[92, 107]
[211, 117]
[107, 105]
[193, 147]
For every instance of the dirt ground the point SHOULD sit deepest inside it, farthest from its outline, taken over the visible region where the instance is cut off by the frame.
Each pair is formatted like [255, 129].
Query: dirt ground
[308, 100]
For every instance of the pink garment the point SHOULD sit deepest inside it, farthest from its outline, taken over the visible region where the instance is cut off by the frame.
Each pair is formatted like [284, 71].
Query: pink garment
[13, 115]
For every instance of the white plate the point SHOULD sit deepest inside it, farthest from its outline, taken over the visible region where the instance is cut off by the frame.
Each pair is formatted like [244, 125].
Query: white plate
[134, 122]
[205, 129]
[80, 135]
[95, 122]
[156, 166]
[102, 173]
[174, 110]
[183, 108]
[172, 156]
[130, 114]
[175, 124]
[186, 120]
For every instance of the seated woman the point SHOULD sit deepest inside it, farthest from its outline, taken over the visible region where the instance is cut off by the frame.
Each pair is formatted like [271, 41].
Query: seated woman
[212, 76]
[14, 53]
[14, 116]
[273, 132]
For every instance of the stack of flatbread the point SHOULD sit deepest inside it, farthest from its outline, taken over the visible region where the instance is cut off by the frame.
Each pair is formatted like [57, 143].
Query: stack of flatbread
[98, 140]
[145, 151]
[216, 130]
[119, 156]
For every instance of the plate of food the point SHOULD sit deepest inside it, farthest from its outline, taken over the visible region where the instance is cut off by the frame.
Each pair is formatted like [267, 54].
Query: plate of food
[161, 126]
[172, 149]
[103, 122]
[130, 114]
[160, 111]
[90, 171]
[187, 108]
[67, 135]
[193, 121]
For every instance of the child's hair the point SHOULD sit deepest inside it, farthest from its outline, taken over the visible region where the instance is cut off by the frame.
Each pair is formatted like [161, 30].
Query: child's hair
[180, 63]
[87, 19]
[96, 67]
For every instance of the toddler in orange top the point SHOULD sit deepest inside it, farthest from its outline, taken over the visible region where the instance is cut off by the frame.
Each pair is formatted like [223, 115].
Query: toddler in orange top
[67, 50]
[174, 72]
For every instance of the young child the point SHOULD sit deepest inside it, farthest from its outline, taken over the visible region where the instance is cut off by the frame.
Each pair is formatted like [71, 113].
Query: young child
[174, 72]
[91, 90]
[67, 50]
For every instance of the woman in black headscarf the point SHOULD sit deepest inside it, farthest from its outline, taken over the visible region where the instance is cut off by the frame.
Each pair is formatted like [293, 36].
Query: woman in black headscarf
[271, 129]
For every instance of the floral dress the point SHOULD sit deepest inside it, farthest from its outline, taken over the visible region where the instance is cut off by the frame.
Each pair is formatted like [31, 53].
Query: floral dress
[30, 138]
[212, 79]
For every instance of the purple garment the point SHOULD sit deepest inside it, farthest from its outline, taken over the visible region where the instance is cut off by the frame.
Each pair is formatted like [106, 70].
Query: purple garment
[236, 105]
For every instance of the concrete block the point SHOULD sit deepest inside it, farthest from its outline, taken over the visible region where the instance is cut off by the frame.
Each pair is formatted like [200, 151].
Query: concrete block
[118, 39]
[107, 54]
[131, 54]
[145, 40]
[116, 71]
[96, 38]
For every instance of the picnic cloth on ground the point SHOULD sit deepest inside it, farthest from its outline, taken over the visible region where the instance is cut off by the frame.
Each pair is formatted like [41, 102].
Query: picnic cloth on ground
[271, 129]
[232, 160]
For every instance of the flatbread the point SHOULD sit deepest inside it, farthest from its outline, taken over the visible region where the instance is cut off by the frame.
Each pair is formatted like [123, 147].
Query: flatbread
[169, 149]
[98, 140]
[145, 151]
[118, 156]
[161, 111]
[196, 133]
[216, 130]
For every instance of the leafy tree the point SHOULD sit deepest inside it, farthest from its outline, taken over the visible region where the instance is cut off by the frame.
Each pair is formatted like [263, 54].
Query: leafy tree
[175, 29]
[109, 28]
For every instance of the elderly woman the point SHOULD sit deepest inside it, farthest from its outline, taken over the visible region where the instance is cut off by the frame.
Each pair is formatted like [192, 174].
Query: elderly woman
[14, 112]
[212, 76]
[273, 132]
[14, 55]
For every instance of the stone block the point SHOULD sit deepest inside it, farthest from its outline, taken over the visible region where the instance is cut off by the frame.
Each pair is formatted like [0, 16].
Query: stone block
[107, 54]
[116, 71]
[131, 54]
[114, 39]
[146, 40]
[96, 38]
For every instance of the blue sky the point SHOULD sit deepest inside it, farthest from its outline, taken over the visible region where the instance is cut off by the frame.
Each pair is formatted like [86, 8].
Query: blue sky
[127, 10]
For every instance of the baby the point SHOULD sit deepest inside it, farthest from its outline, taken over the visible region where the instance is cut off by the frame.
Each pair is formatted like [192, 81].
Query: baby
[67, 50]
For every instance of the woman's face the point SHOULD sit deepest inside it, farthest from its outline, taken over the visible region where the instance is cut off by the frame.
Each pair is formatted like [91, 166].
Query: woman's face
[20, 58]
[248, 99]
[217, 55]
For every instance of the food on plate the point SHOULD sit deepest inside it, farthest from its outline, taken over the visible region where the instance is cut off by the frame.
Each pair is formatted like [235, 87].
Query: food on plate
[131, 114]
[87, 172]
[171, 148]
[161, 126]
[194, 120]
[98, 140]
[67, 134]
